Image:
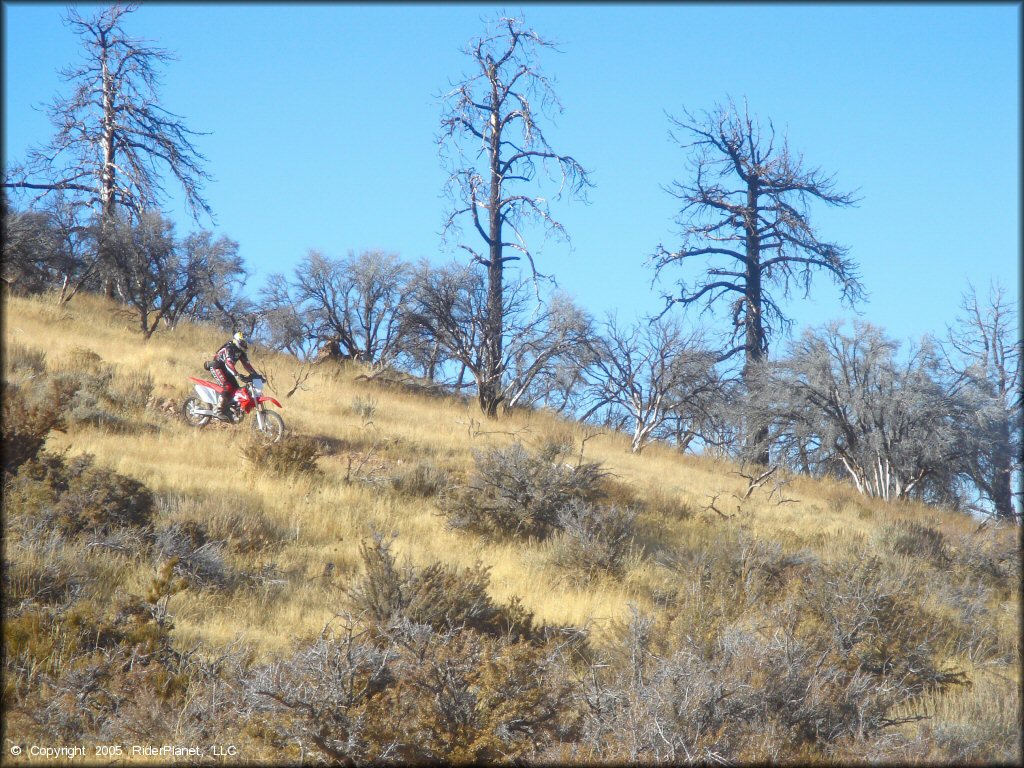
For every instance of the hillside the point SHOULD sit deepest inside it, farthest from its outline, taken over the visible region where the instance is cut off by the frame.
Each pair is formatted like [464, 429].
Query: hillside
[898, 624]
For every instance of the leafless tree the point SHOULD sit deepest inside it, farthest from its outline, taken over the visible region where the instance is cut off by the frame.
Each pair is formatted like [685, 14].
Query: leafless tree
[212, 278]
[983, 352]
[283, 324]
[746, 213]
[163, 279]
[496, 148]
[113, 134]
[544, 343]
[143, 256]
[48, 248]
[448, 306]
[654, 376]
[33, 253]
[888, 424]
[354, 306]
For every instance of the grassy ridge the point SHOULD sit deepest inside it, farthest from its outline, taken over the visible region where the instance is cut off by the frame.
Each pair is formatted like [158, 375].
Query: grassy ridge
[288, 544]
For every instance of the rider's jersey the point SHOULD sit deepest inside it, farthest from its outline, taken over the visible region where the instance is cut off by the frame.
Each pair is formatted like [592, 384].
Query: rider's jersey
[230, 355]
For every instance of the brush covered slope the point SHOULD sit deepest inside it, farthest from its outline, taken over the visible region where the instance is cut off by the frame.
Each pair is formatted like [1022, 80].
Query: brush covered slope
[402, 579]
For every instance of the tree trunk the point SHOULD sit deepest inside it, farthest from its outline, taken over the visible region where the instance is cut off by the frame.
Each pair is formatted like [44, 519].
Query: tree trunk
[490, 384]
[1002, 466]
[107, 197]
[755, 341]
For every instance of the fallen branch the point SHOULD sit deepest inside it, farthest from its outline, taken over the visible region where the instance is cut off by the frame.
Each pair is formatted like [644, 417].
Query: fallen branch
[753, 483]
[711, 507]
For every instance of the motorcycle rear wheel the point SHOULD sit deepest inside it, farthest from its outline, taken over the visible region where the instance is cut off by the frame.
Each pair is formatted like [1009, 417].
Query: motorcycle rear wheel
[273, 426]
[188, 412]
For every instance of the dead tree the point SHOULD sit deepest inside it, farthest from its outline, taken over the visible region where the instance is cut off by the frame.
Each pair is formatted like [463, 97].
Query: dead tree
[888, 423]
[496, 148]
[353, 307]
[745, 213]
[449, 306]
[650, 375]
[983, 353]
[113, 134]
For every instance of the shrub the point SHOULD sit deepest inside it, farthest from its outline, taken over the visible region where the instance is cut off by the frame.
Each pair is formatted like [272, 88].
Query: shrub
[365, 408]
[131, 391]
[74, 497]
[294, 455]
[438, 595]
[906, 537]
[94, 661]
[595, 538]
[414, 695]
[196, 557]
[28, 360]
[244, 530]
[47, 583]
[980, 728]
[992, 553]
[830, 668]
[875, 645]
[655, 502]
[101, 500]
[515, 492]
[666, 506]
[103, 397]
[28, 417]
[82, 360]
[422, 480]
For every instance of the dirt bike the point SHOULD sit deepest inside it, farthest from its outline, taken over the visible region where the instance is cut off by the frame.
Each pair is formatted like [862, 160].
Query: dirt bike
[199, 409]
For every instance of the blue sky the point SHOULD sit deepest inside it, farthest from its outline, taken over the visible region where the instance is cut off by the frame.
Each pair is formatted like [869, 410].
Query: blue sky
[322, 121]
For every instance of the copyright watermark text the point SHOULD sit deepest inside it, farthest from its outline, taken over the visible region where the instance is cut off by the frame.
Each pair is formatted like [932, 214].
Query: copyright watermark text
[116, 751]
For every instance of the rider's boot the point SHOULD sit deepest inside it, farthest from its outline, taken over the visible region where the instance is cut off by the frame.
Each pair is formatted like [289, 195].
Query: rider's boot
[224, 413]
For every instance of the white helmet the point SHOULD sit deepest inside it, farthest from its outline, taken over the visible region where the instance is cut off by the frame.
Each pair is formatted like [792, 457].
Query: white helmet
[239, 339]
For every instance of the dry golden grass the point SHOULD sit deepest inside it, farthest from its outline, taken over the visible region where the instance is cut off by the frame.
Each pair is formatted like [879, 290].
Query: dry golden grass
[318, 522]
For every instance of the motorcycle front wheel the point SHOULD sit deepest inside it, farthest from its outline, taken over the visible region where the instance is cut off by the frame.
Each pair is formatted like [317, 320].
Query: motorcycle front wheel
[189, 412]
[268, 425]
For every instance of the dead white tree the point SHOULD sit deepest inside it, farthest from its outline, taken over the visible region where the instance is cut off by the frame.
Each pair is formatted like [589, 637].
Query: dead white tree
[114, 137]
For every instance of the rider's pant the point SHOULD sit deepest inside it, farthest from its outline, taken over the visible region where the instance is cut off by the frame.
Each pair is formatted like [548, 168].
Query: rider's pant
[230, 384]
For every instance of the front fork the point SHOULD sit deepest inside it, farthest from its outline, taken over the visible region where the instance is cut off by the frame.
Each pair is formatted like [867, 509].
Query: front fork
[259, 416]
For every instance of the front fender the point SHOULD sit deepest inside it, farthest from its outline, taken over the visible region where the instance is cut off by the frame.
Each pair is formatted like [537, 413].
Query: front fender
[265, 399]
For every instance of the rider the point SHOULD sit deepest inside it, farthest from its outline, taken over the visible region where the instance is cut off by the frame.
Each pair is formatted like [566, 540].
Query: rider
[223, 367]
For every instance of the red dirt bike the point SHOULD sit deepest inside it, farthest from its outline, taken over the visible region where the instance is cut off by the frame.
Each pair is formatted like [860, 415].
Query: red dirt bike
[199, 409]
